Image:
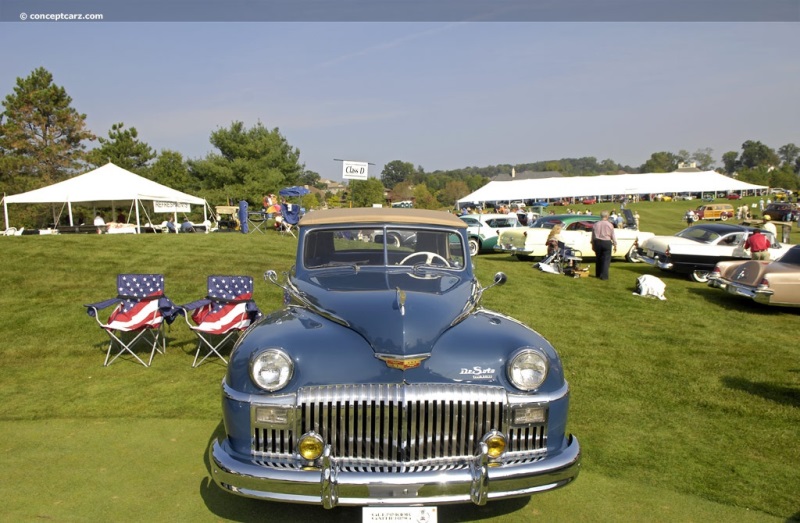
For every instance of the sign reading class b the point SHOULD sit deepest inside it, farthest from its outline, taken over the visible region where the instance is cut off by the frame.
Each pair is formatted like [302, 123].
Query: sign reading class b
[355, 170]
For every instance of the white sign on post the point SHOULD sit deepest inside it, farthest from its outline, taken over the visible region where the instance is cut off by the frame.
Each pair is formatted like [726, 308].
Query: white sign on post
[355, 170]
[170, 207]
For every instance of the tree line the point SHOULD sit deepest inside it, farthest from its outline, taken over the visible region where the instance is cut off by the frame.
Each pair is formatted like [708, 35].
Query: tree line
[43, 140]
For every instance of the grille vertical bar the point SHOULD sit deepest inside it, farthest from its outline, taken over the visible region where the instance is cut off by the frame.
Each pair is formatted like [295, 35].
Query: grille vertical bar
[391, 426]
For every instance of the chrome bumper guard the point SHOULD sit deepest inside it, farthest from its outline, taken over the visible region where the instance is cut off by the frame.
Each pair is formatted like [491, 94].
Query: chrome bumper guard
[331, 486]
[655, 262]
[511, 249]
[760, 296]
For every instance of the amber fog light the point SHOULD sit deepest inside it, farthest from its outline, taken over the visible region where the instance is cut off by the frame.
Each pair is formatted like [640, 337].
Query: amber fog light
[496, 444]
[310, 447]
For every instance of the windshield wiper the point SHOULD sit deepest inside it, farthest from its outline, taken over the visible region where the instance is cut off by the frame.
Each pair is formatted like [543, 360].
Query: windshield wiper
[422, 266]
[340, 265]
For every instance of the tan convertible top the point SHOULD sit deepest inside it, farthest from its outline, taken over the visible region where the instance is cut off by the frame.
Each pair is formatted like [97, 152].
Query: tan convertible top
[380, 216]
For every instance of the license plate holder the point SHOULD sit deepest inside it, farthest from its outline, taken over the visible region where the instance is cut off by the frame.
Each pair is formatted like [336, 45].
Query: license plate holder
[399, 514]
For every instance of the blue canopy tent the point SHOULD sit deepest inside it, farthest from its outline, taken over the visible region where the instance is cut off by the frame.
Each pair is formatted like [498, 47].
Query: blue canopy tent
[295, 190]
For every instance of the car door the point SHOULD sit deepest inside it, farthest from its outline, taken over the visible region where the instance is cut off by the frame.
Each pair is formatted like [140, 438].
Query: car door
[578, 235]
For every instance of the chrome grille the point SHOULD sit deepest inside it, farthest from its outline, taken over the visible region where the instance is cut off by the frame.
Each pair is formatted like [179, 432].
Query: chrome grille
[391, 426]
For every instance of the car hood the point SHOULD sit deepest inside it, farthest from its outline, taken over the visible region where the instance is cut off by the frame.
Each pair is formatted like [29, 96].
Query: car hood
[398, 314]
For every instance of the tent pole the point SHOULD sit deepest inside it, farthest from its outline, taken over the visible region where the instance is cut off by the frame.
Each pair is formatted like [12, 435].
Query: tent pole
[69, 211]
[5, 211]
[138, 225]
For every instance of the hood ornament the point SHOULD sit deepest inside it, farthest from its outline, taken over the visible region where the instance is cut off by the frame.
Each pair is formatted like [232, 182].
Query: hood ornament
[401, 301]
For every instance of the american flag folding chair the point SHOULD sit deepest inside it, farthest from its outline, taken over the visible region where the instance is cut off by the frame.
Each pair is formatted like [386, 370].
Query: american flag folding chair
[141, 309]
[224, 313]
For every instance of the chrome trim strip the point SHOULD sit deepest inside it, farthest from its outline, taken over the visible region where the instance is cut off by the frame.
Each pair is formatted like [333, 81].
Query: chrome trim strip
[538, 398]
[256, 399]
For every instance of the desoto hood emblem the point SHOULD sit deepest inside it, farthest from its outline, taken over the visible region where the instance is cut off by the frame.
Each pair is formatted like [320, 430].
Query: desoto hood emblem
[478, 373]
[402, 363]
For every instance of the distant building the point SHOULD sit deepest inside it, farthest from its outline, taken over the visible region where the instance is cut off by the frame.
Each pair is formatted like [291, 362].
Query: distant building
[687, 167]
[332, 186]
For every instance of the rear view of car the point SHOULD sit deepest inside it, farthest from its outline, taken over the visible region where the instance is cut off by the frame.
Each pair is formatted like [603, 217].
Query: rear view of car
[769, 283]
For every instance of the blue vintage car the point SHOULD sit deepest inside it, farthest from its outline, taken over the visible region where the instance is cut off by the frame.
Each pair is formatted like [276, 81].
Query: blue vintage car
[383, 382]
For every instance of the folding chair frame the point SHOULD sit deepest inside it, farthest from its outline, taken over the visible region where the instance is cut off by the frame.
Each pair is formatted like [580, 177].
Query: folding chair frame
[213, 348]
[206, 339]
[257, 224]
[287, 228]
[151, 330]
[562, 260]
[154, 335]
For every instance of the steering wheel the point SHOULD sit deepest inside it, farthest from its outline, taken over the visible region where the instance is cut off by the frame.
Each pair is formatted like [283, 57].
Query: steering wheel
[429, 257]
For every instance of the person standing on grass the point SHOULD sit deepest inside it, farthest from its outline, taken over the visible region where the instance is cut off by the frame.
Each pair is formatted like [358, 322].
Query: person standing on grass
[690, 216]
[769, 226]
[604, 241]
[758, 245]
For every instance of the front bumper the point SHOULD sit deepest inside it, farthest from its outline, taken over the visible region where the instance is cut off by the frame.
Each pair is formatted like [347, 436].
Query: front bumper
[330, 486]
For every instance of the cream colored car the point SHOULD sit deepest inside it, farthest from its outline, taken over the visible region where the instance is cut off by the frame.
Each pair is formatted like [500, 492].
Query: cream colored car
[530, 242]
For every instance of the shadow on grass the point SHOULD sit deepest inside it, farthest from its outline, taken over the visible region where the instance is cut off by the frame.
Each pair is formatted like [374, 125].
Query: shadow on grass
[777, 393]
[236, 508]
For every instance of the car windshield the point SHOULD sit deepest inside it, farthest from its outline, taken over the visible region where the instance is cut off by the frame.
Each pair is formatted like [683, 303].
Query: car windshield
[502, 222]
[358, 247]
[546, 222]
[698, 234]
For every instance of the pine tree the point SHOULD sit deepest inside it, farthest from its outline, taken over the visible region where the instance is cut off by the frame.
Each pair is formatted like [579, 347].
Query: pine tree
[41, 135]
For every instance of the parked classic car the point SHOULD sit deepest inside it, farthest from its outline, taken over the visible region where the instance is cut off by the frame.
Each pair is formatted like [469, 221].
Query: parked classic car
[780, 211]
[697, 249]
[715, 211]
[530, 242]
[484, 229]
[770, 283]
[383, 382]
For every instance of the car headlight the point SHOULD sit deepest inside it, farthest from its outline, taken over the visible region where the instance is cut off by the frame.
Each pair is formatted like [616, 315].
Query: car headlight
[272, 369]
[527, 370]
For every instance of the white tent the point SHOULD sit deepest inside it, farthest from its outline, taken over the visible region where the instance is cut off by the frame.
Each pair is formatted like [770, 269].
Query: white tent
[608, 185]
[106, 186]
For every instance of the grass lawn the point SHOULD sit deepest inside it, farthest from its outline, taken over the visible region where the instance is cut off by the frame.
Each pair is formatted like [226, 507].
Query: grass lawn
[686, 409]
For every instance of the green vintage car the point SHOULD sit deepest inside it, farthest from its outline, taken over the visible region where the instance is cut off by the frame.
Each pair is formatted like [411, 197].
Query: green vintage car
[483, 230]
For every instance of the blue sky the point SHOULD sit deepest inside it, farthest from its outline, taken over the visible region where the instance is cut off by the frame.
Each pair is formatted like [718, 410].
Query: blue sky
[438, 95]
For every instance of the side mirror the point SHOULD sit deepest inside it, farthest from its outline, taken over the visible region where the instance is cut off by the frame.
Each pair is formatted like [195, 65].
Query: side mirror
[500, 278]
